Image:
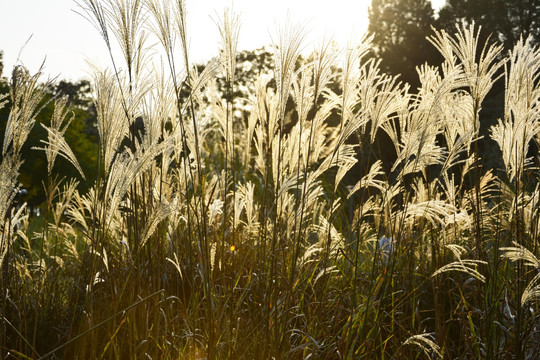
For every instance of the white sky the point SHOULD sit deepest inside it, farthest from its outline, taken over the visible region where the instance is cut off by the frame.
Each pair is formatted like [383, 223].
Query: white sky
[66, 39]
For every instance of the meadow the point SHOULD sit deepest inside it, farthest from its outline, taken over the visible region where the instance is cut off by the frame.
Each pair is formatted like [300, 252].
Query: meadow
[273, 225]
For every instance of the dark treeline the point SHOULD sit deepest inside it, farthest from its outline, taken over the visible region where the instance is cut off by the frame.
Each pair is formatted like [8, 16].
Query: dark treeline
[400, 28]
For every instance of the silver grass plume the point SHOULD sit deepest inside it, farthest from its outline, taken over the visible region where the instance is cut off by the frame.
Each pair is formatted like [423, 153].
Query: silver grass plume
[56, 143]
[466, 266]
[65, 197]
[8, 190]
[126, 19]
[422, 123]
[95, 12]
[125, 171]
[426, 343]
[520, 253]
[460, 52]
[286, 53]
[229, 28]
[157, 214]
[180, 22]
[521, 123]
[158, 107]
[382, 98]
[26, 99]
[112, 128]
[324, 58]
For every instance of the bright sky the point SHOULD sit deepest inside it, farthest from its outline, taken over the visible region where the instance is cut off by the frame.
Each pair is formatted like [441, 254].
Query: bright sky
[53, 32]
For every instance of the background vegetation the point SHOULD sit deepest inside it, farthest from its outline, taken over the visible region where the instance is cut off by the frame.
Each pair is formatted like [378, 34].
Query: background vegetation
[357, 203]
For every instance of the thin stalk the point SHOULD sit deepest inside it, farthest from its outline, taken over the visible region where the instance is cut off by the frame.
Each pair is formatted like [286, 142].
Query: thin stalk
[112, 317]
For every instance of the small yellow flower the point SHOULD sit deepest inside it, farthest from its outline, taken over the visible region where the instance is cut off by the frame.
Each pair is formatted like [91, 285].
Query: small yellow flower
[233, 247]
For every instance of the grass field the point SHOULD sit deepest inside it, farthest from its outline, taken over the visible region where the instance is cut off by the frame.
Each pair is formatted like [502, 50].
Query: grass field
[269, 226]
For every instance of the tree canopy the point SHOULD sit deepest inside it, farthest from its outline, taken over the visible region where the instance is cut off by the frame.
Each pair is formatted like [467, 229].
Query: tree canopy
[504, 20]
[399, 29]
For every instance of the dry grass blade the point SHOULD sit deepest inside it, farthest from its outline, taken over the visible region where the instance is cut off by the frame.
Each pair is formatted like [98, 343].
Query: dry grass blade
[27, 101]
[126, 18]
[425, 342]
[520, 253]
[157, 215]
[96, 14]
[466, 266]
[532, 291]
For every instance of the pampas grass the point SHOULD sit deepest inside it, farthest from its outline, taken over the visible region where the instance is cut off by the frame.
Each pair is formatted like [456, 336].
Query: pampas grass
[273, 234]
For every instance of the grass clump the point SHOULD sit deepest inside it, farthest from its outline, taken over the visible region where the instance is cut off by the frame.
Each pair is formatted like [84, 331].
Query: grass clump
[280, 229]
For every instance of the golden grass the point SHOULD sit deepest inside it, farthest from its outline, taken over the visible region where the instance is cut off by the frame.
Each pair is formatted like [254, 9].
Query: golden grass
[264, 231]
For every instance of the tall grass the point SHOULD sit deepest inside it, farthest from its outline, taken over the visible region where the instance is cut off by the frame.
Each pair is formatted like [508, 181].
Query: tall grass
[283, 233]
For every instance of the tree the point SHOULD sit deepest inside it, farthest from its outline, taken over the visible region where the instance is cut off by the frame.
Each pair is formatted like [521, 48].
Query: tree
[250, 64]
[523, 19]
[399, 29]
[504, 20]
